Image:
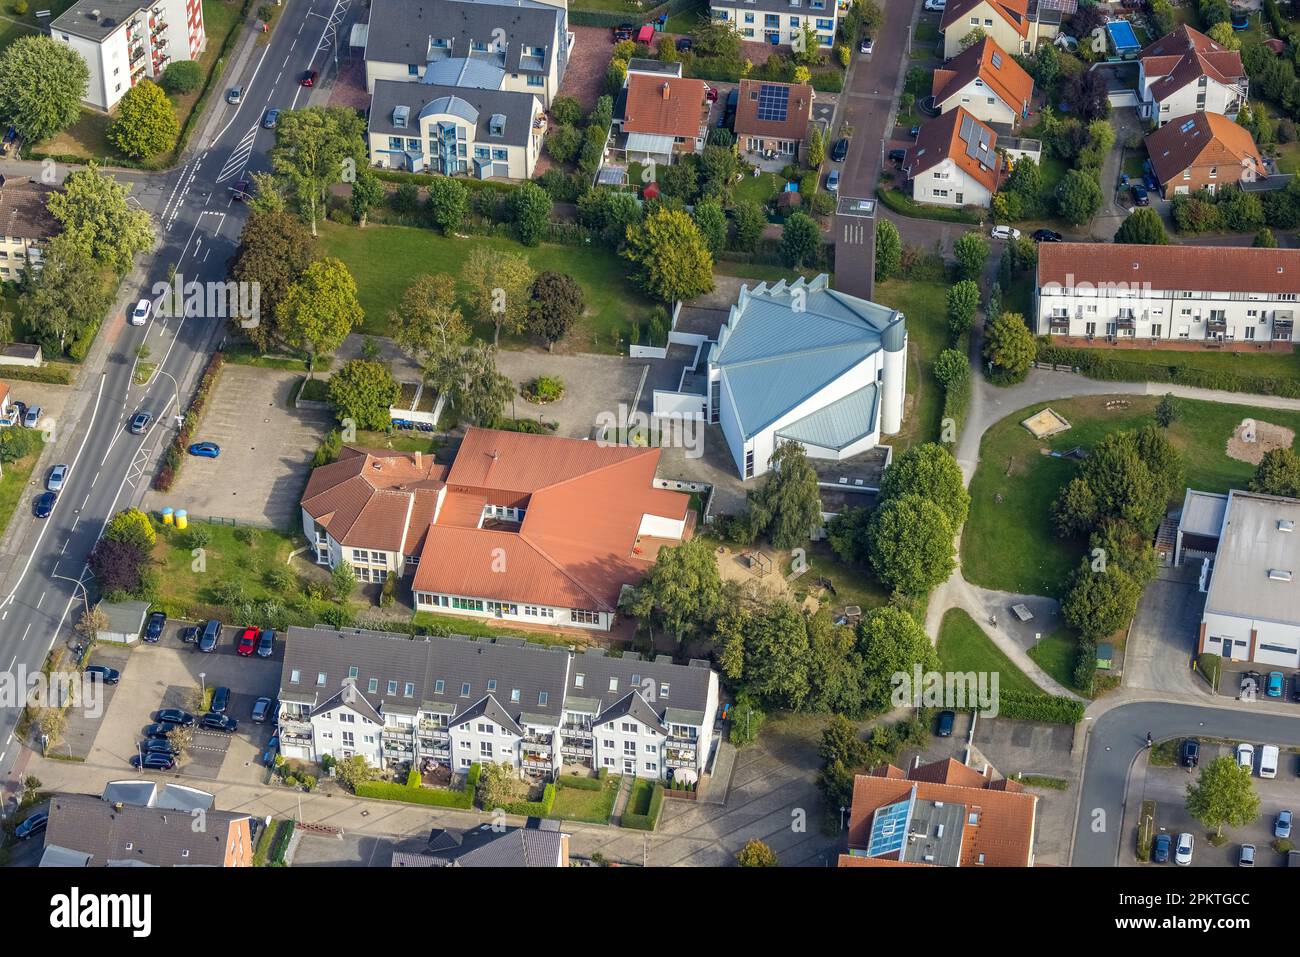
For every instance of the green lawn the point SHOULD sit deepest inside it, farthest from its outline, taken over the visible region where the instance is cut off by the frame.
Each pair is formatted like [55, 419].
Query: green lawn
[1010, 545]
[684, 21]
[480, 628]
[384, 260]
[1055, 655]
[758, 189]
[399, 441]
[925, 305]
[14, 490]
[853, 584]
[638, 802]
[1281, 365]
[963, 646]
[579, 804]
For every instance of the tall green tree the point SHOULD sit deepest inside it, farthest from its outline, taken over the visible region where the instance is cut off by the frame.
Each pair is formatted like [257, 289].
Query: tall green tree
[556, 303]
[911, 544]
[711, 221]
[144, 124]
[1100, 603]
[274, 249]
[682, 592]
[93, 211]
[367, 193]
[963, 303]
[500, 289]
[315, 148]
[890, 642]
[756, 854]
[748, 220]
[448, 203]
[321, 308]
[787, 507]
[1278, 473]
[364, 390]
[67, 298]
[429, 326]
[971, 250]
[672, 260]
[481, 392]
[1223, 795]
[889, 250]
[1143, 227]
[930, 471]
[531, 207]
[42, 82]
[1078, 196]
[801, 241]
[776, 655]
[1009, 345]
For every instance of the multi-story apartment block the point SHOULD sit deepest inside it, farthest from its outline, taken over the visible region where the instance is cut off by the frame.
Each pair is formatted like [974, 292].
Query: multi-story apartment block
[1187, 72]
[126, 41]
[519, 46]
[456, 702]
[26, 224]
[1158, 294]
[779, 21]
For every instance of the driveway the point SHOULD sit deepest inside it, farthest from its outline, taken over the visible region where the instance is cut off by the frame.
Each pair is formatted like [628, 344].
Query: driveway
[1162, 640]
[266, 450]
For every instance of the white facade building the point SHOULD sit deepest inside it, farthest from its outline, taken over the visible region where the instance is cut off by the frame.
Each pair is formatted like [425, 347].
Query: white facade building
[779, 22]
[1187, 72]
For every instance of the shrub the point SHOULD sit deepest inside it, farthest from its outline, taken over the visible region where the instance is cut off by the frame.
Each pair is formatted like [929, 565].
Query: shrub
[1029, 706]
[650, 820]
[181, 77]
[544, 389]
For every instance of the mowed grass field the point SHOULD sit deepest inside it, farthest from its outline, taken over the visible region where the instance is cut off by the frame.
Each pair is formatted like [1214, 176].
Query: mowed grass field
[925, 306]
[1008, 542]
[1281, 365]
[963, 646]
[385, 260]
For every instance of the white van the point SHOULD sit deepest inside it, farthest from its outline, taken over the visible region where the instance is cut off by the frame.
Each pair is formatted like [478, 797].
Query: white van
[1268, 761]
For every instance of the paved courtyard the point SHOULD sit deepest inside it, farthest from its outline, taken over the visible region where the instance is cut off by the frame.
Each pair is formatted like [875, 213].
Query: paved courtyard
[1162, 640]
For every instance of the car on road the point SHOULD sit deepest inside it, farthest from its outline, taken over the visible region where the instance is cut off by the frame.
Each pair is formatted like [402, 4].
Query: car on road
[160, 730]
[898, 156]
[1276, 682]
[153, 761]
[1247, 856]
[32, 825]
[219, 722]
[242, 191]
[140, 422]
[174, 716]
[110, 676]
[159, 746]
[270, 119]
[684, 43]
[1246, 756]
[154, 629]
[211, 635]
[32, 416]
[1005, 232]
[866, 45]
[220, 700]
[1046, 236]
[140, 314]
[58, 475]
[45, 504]
[235, 95]
[247, 643]
[205, 450]
[189, 634]
[1160, 848]
[946, 721]
[261, 710]
[833, 181]
[1139, 194]
[266, 643]
[1190, 754]
[1183, 850]
[840, 150]
[1282, 826]
[935, 6]
[309, 78]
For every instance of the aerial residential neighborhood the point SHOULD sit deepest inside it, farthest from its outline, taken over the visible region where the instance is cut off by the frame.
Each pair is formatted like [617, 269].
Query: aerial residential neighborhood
[810, 434]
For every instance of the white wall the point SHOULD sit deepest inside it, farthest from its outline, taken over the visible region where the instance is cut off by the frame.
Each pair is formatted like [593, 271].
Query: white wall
[948, 178]
[981, 103]
[468, 739]
[1167, 309]
[425, 601]
[660, 527]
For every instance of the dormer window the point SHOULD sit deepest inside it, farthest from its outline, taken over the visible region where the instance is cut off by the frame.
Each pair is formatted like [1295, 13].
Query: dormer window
[497, 125]
[400, 116]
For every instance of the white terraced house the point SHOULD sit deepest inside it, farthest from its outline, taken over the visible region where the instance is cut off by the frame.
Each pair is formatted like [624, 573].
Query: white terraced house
[778, 22]
[1157, 294]
[455, 702]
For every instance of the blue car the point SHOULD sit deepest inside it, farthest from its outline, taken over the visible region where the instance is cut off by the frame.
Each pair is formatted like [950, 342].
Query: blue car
[1160, 850]
[205, 450]
[153, 631]
[1150, 182]
[45, 504]
[1275, 683]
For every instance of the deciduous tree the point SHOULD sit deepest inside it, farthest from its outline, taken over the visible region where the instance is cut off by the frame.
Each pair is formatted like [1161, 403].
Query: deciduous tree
[93, 211]
[1223, 795]
[556, 304]
[364, 390]
[500, 289]
[930, 471]
[911, 544]
[315, 148]
[682, 592]
[41, 86]
[1009, 345]
[673, 263]
[144, 124]
[320, 308]
[788, 505]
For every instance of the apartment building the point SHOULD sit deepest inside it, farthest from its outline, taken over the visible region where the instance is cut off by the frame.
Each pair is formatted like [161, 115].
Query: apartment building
[1016, 26]
[1186, 72]
[779, 22]
[519, 46]
[126, 41]
[455, 702]
[1203, 151]
[986, 82]
[455, 130]
[26, 224]
[1159, 294]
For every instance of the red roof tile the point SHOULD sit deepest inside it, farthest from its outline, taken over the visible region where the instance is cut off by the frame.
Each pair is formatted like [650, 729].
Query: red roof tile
[664, 106]
[798, 111]
[1202, 139]
[940, 139]
[1015, 12]
[1207, 268]
[988, 62]
[1183, 56]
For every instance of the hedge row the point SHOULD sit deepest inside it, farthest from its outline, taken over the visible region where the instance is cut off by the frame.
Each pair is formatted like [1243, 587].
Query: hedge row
[650, 820]
[412, 793]
[540, 808]
[426, 179]
[280, 843]
[1032, 706]
[56, 373]
[1108, 365]
[955, 403]
[904, 205]
[175, 454]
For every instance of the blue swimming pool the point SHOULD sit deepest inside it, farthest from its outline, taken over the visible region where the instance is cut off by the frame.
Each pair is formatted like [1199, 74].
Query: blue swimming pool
[1123, 38]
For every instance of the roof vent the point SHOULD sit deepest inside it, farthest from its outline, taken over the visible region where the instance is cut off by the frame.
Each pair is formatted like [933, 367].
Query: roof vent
[666, 89]
[1279, 575]
[94, 14]
[1285, 525]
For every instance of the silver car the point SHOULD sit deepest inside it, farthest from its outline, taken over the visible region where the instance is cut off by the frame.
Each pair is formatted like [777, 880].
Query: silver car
[1247, 858]
[57, 476]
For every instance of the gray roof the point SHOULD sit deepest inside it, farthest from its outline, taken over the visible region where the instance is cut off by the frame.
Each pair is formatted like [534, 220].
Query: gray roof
[160, 837]
[508, 668]
[96, 19]
[474, 106]
[688, 685]
[348, 696]
[1203, 513]
[520, 847]
[125, 618]
[1257, 565]
[55, 856]
[176, 797]
[402, 31]
[839, 424]
[658, 67]
[464, 71]
[635, 706]
[488, 708]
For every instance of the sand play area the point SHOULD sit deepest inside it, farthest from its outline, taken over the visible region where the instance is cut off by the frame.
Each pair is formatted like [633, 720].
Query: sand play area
[1044, 423]
[1252, 438]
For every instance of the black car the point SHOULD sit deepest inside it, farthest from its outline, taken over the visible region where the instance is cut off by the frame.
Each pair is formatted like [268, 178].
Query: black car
[153, 630]
[897, 156]
[153, 761]
[1139, 194]
[266, 643]
[32, 825]
[110, 676]
[220, 701]
[946, 721]
[1190, 754]
[261, 710]
[1295, 686]
[174, 716]
[840, 150]
[211, 635]
[160, 730]
[159, 746]
[1046, 236]
[684, 44]
[189, 634]
[45, 504]
[219, 722]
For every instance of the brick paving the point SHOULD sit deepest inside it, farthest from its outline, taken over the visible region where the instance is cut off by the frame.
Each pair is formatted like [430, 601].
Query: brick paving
[584, 80]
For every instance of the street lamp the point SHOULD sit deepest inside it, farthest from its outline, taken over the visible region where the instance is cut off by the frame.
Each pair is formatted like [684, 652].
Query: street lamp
[203, 688]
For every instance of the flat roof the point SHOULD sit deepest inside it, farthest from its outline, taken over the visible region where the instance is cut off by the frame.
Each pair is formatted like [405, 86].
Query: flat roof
[96, 19]
[1257, 564]
[1203, 513]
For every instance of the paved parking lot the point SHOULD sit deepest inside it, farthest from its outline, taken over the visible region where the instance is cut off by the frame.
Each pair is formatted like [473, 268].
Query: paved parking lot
[1162, 641]
[266, 448]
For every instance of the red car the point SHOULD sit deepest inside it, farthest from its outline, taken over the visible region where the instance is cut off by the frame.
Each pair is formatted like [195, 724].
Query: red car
[711, 94]
[309, 78]
[247, 643]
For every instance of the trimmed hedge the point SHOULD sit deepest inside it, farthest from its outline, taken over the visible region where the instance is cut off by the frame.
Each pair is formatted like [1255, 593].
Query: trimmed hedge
[1029, 706]
[412, 793]
[540, 808]
[56, 373]
[175, 454]
[425, 179]
[906, 206]
[650, 820]
[280, 843]
[1109, 366]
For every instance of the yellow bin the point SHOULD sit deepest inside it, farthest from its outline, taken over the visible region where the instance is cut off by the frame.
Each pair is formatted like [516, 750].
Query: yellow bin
[182, 520]
[167, 515]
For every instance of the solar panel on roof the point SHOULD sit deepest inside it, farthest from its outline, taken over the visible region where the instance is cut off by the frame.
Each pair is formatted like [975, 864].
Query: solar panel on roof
[1186, 126]
[773, 102]
[997, 60]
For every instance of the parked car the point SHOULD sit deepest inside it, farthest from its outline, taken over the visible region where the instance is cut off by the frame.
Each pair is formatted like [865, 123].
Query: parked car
[235, 95]
[140, 422]
[153, 630]
[833, 181]
[140, 314]
[1251, 682]
[247, 643]
[220, 700]
[159, 746]
[211, 635]
[1139, 194]
[840, 150]
[1268, 758]
[160, 730]
[1295, 686]
[1005, 232]
[219, 722]
[866, 45]
[1190, 755]
[1274, 685]
[261, 710]
[1160, 848]
[272, 749]
[898, 156]
[110, 676]
[1282, 826]
[174, 716]
[266, 643]
[58, 475]
[189, 634]
[1046, 236]
[935, 5]
[45, 504]
[684, 43]
[153, 761]
[309, 78]
[32, 416]
[914, 132]
[1183, 852]
[32, 825]
[271, 118]
[946, 721]
[624, 31]
[711, 94]
[1150, 182]
[205, 450]
[1246, 756]
[1247, 856]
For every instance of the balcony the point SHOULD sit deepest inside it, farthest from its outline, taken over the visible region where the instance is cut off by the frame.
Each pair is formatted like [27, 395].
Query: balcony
[676, 760]
[582, 751]
[575, 731]
[434, 727]
[534, 760]
[398, 734]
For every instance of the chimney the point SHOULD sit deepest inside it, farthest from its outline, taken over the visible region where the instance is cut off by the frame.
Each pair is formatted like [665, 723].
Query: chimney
[418, 457]
[666, 89]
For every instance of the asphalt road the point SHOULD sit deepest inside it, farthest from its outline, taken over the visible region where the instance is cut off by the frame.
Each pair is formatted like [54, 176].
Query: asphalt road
[1118, 738]
[198, 225]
